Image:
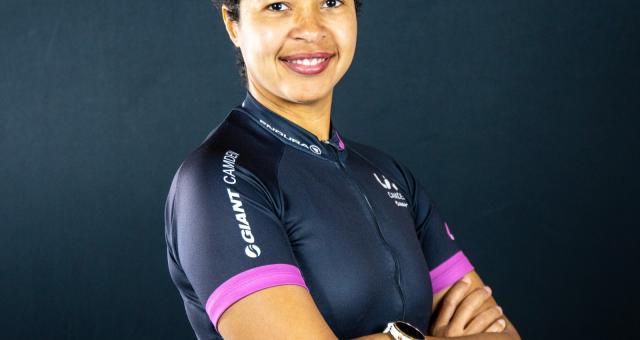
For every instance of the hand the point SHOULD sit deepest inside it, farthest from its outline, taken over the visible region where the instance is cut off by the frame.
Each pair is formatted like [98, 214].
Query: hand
[460, 315]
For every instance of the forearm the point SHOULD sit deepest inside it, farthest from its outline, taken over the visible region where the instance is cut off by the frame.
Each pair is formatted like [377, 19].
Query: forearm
[509, 333]
[376, 336]
[481, 336]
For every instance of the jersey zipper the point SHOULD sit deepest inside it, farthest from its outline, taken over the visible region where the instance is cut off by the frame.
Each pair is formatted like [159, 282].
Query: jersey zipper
[342, 167]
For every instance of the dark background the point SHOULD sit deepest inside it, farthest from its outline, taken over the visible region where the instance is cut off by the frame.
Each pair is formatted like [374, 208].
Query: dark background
[519, 117]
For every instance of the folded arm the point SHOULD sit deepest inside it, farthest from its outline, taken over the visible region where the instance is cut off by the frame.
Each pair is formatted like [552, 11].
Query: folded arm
[509, 332]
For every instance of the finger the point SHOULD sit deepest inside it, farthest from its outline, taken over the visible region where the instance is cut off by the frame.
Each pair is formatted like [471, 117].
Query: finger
[450, 302]
[468, 306]
[483, 320]
[497, 326]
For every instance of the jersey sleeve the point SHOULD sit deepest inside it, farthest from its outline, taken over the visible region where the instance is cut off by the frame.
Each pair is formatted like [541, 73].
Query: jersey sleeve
[229, 241]
[445, 259]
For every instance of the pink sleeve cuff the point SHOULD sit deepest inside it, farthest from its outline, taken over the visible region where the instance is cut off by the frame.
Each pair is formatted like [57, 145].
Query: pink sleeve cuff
[449, 272]
[250, 281]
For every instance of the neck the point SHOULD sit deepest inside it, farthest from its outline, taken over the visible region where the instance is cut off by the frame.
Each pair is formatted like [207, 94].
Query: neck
[313, 116]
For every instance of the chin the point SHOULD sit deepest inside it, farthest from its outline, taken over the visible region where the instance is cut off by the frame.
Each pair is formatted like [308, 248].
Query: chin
[302, 97]
[307, 92]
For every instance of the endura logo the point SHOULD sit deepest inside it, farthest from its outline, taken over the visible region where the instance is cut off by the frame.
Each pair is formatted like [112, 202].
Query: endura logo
[228, 170]
[314, 148]
[395, 195]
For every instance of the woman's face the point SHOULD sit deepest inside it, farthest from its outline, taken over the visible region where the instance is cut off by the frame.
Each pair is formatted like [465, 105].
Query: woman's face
[270, 33]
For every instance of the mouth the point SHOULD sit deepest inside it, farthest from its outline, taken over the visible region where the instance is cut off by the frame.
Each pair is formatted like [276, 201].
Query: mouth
[308, 63]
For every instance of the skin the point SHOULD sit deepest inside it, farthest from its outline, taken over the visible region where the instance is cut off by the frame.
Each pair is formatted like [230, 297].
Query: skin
[458, 303]
[265, 33]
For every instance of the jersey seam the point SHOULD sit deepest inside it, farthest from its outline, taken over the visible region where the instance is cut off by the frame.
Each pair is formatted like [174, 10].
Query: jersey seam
[278, 187]
[428, 219]
[172, 226]
[281, 203]
[173, 236]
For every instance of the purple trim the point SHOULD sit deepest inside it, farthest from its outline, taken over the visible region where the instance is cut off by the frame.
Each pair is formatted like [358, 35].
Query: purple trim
[448, 231]
[340, 142]
[449, 272]
[250, 281]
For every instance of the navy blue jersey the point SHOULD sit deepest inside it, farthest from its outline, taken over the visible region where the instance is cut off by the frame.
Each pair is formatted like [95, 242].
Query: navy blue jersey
[263, 202]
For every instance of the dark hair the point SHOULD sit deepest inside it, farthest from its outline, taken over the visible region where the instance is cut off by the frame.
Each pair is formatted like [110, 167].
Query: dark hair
[234, 15]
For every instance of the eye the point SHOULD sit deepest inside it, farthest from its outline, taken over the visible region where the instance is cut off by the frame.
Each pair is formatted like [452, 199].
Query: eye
[333, 3]
[276, 6]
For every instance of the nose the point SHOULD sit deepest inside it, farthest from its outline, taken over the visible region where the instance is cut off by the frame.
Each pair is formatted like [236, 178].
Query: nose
[309, 26]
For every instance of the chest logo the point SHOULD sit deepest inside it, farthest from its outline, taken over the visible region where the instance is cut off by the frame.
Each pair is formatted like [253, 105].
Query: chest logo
[315, 149]
[393, 191]
[385, 182]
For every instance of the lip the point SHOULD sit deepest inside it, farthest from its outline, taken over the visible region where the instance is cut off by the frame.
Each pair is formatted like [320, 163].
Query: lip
[307, 56]
[307, 69]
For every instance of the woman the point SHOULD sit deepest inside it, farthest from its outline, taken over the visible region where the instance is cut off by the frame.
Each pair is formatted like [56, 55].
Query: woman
[279, 227]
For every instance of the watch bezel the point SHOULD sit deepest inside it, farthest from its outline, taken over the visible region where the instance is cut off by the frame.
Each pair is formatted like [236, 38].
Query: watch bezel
[402, 327]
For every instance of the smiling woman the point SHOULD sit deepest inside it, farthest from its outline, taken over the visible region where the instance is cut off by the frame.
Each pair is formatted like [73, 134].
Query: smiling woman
[277, 226]
[234, 16]
[294, 53]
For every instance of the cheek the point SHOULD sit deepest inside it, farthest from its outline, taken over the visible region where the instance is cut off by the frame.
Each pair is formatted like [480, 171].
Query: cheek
[261, 47]
[265, 44]
[346, 35]
[346, 40]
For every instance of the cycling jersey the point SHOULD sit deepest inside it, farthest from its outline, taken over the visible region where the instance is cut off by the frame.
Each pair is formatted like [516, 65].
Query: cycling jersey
[263, 202]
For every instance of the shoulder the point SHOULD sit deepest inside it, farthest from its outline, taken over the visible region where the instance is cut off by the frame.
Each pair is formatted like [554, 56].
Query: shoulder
[237, 142]
[236, 154]
[236, 135]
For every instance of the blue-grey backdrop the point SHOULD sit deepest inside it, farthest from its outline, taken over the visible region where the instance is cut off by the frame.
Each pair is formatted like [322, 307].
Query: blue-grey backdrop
[519, 117]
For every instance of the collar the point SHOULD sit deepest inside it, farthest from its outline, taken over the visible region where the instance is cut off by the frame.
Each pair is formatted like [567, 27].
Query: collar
[291, 133]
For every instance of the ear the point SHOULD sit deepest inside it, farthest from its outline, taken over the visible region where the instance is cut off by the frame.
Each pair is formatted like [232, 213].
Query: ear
[230, 25]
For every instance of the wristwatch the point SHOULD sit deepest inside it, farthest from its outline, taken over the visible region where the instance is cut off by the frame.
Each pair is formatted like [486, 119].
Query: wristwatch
[402, 330]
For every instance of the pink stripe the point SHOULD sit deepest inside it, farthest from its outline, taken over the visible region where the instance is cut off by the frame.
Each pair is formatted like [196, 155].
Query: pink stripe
[448, 231]
[449, 272]
[250, 281]
[340, 142]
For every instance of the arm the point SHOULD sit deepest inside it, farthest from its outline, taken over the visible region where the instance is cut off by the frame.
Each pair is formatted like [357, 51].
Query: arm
[443, 255]
[272, 311]
[229, 253]
[377, 336]
[281, 312]
[481, 336]
[509, 333]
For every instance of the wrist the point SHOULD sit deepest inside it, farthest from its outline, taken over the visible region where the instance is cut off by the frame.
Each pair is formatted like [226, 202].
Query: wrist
[402, 330]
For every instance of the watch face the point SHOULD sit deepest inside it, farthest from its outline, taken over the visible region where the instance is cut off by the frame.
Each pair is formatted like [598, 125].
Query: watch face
[409, 330]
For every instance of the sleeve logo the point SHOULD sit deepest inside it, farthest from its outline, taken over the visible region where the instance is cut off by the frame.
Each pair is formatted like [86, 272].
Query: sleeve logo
[228, 170]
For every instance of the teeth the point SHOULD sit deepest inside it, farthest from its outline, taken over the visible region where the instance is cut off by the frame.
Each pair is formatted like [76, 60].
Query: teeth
[308, 62]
